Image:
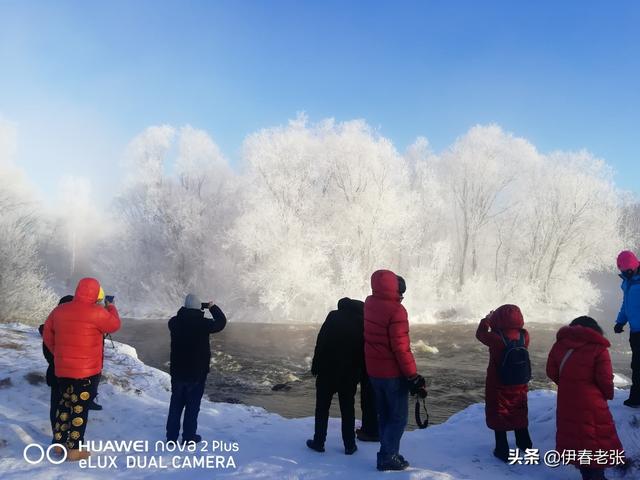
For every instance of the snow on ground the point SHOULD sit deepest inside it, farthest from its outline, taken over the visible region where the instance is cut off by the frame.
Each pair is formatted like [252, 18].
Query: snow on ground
[135, 399]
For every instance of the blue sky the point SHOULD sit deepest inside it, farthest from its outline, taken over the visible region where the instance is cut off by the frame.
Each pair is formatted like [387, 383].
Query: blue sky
[80, 79]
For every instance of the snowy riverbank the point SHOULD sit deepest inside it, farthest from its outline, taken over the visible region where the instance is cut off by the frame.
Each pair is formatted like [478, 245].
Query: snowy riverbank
[135, 399]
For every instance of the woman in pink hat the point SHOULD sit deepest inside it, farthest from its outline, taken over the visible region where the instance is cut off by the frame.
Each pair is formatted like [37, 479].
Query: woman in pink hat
[630, 313]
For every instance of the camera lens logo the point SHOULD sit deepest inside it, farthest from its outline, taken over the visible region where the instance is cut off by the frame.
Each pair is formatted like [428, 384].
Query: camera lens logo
[34, 454]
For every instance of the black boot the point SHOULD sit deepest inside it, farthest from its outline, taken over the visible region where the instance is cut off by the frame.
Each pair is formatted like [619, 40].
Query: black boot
[94, 406]
[502, 446]
[523, 439]
[392, 463]
[196, 439]
[315, 446]
[351, 449]
[630, 403]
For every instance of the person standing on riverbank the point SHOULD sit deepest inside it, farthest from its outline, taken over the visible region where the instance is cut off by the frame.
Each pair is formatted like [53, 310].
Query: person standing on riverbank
[74, 333]
[630, 313]
[190, 358]
[579, 363]
[338, 363]
[390, 363]
[508, 375]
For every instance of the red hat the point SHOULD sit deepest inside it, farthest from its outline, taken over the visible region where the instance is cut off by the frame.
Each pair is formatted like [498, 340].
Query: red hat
[627, 260]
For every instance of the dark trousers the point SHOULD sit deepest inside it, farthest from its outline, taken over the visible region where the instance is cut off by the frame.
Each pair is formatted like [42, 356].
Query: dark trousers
[368, 407]
[592, 473]
[326, 388]
[185, 395]
[392, 402]
[53, 405]
[523, 440]
[72, 412]
[634, 394]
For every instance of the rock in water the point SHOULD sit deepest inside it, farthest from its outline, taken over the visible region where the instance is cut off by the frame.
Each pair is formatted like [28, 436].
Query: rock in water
[281, 387]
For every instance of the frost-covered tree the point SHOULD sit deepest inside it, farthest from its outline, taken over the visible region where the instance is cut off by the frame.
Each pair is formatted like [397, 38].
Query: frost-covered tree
[314, 209]
[24, 296]
[322, 207]
[571, 224]
[169, 222]
[480, 174]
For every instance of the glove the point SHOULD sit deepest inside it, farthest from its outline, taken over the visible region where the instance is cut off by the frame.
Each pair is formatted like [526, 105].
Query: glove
[619, 328]
[417, 385]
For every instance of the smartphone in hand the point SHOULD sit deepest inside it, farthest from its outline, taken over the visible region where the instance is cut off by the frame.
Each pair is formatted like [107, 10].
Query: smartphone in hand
[109, 298]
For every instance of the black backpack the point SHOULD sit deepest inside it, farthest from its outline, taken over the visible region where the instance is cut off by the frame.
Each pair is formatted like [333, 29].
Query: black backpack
[515, 368]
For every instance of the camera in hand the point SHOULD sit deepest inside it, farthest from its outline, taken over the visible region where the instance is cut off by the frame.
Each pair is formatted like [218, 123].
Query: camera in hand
[417, 386]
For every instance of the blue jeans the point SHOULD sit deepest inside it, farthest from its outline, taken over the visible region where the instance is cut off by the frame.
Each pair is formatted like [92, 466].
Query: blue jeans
[185, 395]
[392, 403]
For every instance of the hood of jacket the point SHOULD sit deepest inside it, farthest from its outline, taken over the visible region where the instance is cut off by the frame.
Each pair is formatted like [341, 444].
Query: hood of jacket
[87, 290]
[577, 336]
[384, 284]
[507, 317]
[355, 307]
[185, 312]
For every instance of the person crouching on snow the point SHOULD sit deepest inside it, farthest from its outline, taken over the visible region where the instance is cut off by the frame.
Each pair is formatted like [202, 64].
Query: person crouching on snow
[73, 332]
[190, 358]
[630, 312]
[390, 363]
[579, 363]
[508, 375]
[338, 361]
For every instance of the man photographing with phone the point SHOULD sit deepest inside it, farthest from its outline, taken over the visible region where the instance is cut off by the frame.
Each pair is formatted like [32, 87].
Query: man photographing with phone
[190, 358]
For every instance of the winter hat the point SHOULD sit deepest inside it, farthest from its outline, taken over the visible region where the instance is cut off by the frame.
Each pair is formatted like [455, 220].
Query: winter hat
[627, 260]
[402, 285]
[192, 301]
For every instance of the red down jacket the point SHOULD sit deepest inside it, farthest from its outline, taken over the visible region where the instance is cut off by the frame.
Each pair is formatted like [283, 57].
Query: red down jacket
[74, 332]
[505, 405]
[387, 347]
[585, 383]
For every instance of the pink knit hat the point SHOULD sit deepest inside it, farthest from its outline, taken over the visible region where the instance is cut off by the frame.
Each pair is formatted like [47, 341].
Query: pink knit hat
[628, 261]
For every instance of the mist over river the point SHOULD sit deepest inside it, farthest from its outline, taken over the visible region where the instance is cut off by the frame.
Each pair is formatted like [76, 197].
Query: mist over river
[249, 359]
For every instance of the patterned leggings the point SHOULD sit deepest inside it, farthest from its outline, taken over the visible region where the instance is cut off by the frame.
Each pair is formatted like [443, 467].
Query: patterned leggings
[71, 415]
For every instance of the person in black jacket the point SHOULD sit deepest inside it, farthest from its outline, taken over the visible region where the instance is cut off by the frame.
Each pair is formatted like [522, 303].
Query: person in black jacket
[190, 357]
[52, 380]
[338, 363]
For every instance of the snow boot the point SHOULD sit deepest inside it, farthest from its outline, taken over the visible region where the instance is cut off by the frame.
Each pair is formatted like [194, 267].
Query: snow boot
[631, 404]
[365, 437]
[351, 449]
[75, 455]
[196, 439]
[392, 463]
[502, 455]
[94, 406]
[315, 446]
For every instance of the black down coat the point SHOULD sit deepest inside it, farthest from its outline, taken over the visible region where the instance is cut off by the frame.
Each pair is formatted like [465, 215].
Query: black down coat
[339, 352]
[190, 349]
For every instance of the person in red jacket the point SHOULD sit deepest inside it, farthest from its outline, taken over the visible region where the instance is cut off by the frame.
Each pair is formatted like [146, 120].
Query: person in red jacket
[579, 363]
[505, 405]
[390, 363]
[74, 333]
